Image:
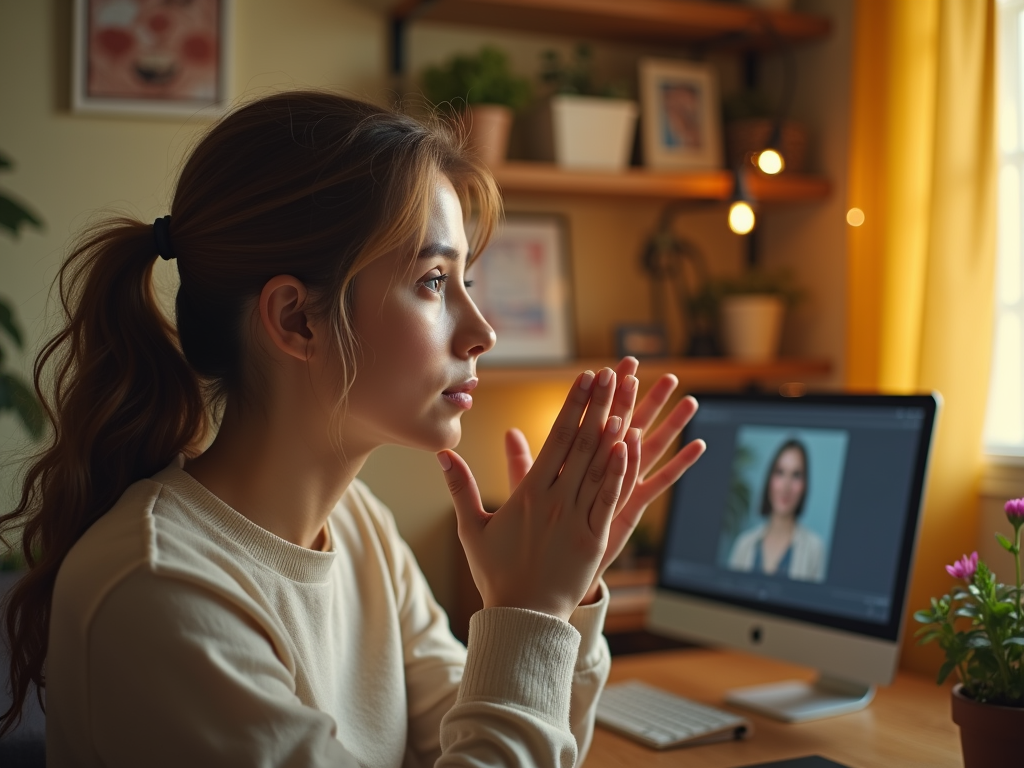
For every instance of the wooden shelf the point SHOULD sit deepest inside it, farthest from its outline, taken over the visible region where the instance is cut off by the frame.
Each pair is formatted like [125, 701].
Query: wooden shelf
[648, 21]
[545, 178]
[692, 372]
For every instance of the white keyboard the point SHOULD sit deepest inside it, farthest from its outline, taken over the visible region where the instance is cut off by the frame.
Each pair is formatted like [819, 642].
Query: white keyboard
[660, 719]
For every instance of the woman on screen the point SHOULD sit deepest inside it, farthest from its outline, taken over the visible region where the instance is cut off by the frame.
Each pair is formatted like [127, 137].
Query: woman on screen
[780, 545]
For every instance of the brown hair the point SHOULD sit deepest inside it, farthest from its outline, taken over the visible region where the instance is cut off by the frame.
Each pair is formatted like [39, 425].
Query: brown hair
[308, 184]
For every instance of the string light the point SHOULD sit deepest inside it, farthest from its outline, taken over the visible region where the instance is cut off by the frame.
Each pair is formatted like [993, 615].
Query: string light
[741, 217]
[770, 161]
[855, 217]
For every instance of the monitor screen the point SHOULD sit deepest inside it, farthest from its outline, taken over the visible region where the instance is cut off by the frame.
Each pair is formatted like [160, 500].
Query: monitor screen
[805, 508]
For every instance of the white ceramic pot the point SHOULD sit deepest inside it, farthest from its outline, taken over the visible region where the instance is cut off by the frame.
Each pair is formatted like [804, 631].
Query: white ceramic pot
[487, 131]
[752, 326]
[592, 132]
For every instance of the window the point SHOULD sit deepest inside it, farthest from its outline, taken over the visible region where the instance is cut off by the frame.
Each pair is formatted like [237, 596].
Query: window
[1004, 427]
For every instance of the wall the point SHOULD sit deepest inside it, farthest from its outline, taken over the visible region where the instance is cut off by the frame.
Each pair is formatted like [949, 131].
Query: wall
[70, 166]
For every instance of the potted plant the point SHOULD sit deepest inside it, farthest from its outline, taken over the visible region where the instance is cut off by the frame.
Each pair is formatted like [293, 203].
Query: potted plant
[980, 627]
[592, 126]
[483, 89]
[750, 310]
[749, 120]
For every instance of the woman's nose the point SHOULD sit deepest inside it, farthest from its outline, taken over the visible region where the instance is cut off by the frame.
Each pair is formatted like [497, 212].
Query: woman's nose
[475, 335]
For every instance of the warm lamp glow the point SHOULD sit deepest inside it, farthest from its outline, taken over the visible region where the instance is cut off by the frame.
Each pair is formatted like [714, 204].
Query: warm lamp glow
[770, 161]
[855, 217]
[741, 217]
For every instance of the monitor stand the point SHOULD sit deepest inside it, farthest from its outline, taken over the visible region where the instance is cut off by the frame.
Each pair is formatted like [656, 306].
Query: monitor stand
[795, 701]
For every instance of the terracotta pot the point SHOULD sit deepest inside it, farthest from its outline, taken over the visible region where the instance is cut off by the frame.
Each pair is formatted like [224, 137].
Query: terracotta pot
[990, 736]
[487, 131]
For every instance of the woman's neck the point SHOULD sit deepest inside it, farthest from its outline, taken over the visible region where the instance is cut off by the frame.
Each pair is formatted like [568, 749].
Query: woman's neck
[781, 525]
[264, 467]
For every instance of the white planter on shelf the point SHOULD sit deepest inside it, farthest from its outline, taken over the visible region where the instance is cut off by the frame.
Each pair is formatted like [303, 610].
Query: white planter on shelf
[591, 132]
[752, 326]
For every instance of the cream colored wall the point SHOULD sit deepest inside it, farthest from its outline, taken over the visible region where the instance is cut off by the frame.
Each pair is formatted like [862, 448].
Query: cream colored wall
[70, 166]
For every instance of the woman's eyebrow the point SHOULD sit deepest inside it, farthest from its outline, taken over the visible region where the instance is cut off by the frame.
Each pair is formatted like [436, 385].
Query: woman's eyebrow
[436, 249]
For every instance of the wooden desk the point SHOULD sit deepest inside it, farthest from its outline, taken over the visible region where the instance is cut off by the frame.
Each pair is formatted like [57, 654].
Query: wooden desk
[908, 723]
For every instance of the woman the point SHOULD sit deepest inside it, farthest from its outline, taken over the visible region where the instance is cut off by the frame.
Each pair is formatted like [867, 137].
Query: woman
[780, 545]
[213, 585]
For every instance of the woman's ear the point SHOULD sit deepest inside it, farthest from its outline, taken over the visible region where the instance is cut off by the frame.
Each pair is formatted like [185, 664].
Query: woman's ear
[283, 315]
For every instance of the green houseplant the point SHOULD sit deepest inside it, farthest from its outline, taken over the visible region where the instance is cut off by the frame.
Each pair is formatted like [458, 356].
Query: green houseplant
[482, 88]
[980, 626]
[591, 123]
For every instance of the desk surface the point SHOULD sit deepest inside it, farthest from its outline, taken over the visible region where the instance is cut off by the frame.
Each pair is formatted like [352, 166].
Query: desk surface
[908, 723]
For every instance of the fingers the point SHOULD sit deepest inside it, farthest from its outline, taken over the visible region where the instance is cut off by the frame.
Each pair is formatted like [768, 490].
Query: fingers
[563, 432]
[654, 401]
[633, 458]
[462, 486]
[658, 441]
[518, 457]
[674, 468]
[611, 488]
[588, 437]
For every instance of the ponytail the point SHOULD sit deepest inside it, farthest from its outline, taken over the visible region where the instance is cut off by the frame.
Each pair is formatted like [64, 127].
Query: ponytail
[123, 403]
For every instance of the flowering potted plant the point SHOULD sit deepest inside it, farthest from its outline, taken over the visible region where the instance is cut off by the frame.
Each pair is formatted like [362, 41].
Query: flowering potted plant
[981, 628]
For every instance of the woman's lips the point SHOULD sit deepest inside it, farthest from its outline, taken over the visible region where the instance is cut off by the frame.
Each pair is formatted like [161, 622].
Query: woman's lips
[459, 395]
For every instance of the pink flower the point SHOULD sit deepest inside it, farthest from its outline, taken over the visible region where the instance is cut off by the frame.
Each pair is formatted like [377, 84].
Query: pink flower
[964, 568]
[1015, 511]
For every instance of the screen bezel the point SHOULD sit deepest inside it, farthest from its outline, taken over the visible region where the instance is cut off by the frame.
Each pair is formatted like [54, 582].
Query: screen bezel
[888, 631]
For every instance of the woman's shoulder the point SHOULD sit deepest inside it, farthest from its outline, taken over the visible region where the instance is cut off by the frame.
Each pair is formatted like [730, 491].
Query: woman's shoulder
[804, 536]
[750, 536]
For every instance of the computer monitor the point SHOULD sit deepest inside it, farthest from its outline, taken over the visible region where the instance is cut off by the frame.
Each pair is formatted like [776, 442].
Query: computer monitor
[793, 537]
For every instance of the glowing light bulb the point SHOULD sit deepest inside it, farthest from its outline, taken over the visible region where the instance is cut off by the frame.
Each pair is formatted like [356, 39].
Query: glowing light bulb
[855, 217]
[741, 217]
[770, 161]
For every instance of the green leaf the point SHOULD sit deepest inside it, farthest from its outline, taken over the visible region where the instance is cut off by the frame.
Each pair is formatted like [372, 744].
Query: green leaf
[8, 323]
[1004, 542]
[1014, 641]
[944, 671]
[23, 401]
[5, 161]
[1002, 609]
[13, 215]
[925, 617]
[979, 641]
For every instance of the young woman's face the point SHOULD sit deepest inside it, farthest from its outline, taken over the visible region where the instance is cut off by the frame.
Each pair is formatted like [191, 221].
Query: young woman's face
[420, 335]
[787, 483]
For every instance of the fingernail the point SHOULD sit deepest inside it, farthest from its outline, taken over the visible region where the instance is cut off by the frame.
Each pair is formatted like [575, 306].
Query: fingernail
[587, 380]
[604, 377]
[633, 434]
[444, 460]
[613, 424]
[630, 383]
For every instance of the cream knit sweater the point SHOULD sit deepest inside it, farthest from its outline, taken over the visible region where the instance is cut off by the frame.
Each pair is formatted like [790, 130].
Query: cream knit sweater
[185, 635]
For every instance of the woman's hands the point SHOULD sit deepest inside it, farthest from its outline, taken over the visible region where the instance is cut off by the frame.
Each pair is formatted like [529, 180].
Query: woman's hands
[542, 549]
[646, 487]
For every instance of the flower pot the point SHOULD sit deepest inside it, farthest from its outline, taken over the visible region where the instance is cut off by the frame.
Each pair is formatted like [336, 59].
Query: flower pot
[752, 135]
[990, 735]
[592, 132]
[487, 131]
[752, 326]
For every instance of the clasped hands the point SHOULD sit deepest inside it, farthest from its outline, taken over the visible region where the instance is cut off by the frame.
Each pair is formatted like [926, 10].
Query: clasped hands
[572, 510]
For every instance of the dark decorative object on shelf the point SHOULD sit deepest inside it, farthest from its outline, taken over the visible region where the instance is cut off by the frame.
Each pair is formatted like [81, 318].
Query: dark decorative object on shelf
[678, 264]
[641, 341]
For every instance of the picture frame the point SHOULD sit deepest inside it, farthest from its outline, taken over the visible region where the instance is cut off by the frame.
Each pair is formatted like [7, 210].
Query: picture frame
[681, 118]
[151, 58]
[521, 284]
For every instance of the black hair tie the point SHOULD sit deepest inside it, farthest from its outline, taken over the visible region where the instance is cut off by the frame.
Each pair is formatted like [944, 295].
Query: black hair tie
[162, 238]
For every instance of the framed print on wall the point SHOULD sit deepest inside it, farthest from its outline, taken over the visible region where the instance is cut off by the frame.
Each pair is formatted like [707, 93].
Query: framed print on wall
[150, 57]
[521, 285]
[681, 121]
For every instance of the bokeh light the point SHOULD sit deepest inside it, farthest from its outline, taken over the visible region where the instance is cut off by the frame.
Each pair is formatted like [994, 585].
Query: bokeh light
[741, 217]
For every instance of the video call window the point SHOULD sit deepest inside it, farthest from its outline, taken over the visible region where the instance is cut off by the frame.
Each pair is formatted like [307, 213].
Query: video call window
[783, 498]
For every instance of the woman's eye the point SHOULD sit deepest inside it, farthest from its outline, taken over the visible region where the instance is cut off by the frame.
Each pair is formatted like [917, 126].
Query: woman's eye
[436, 283]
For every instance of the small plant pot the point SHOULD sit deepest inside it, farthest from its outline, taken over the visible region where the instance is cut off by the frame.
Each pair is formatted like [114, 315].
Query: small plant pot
[487, 131]
[752, 326]
[990, 735]
[748, 135]
[591, 132]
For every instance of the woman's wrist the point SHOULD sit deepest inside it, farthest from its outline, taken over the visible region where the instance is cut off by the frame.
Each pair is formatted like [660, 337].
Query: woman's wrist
[593, 594]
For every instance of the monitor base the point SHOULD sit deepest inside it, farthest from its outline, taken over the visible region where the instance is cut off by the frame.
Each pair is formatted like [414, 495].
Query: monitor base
[796, 701]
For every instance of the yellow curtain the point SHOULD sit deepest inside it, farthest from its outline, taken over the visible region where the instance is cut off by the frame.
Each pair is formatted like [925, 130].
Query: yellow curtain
[920, 268]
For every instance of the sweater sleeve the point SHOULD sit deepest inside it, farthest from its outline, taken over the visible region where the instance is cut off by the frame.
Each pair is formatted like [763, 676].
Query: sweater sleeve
[225, 698]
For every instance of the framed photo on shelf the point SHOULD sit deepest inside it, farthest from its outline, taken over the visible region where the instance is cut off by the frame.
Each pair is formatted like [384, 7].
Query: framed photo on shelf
[681, 115]
[150, 57]
[521, 285]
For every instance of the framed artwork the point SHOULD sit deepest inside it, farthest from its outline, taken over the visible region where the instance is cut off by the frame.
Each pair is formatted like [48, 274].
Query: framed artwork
[521, 285]
[150, 57]
[681, 121]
